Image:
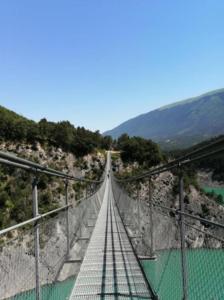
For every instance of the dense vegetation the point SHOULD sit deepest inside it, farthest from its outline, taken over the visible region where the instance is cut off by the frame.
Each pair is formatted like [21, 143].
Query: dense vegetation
[79, 141]
[137, 155]
[147, 154]
[214, 163]
[15, 184]
[16, 195]
[136, 149]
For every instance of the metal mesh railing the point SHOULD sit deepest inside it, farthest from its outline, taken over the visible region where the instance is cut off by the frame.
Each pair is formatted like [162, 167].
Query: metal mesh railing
[17, 265]
[165, 271]
[17, 262]
[57, 266]
[40, 256]
[194, 270]
[53, 251]
[204, 260]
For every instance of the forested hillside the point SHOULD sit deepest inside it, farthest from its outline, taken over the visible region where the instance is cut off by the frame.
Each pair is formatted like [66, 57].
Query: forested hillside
[77, 140]
[61, 146]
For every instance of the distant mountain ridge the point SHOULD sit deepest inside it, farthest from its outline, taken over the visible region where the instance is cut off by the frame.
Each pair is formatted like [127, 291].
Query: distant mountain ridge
[180, 124]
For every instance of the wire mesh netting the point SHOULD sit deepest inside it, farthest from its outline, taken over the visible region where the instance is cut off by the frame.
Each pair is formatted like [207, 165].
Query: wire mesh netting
[165, 271]
[16, 265]
[204, 249]
[52, 252]
[205, 260]
[57, 267]
[17, 262]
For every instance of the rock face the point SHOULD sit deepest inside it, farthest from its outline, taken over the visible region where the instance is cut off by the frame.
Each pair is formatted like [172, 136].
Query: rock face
[66, 162]
[166, 229]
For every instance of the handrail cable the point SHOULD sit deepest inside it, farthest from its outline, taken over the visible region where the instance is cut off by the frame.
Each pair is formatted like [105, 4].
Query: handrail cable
[32, 220]
[177, 211]
[15, 161]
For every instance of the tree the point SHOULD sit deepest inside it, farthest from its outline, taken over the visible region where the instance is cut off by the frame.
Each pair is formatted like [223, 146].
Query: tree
[107, 142]
[137, 149]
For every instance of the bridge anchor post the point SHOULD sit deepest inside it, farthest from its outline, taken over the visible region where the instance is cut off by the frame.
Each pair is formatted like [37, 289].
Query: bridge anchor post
[67, 219]
[138, 207]
[182, 235]
[36, 237]
[152, 250]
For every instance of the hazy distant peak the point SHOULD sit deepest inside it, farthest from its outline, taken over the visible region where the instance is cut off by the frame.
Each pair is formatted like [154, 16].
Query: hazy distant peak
[180, 124]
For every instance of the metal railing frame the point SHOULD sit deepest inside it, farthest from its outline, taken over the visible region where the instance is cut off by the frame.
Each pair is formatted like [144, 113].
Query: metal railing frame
[35, 168]
[178, 164]
[181, 214]
[28, 165]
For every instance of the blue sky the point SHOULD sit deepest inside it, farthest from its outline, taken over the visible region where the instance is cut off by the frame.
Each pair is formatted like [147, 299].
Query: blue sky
[98, 63]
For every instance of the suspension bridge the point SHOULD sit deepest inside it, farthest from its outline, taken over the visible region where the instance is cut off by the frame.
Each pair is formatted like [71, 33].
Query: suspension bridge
[110, 268]
[90, 249]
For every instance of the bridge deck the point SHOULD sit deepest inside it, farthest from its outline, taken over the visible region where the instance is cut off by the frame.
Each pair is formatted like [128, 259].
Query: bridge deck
[110, 269]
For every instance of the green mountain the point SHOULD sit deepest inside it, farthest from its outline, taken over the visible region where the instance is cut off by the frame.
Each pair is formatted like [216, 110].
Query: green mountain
[180, 124]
